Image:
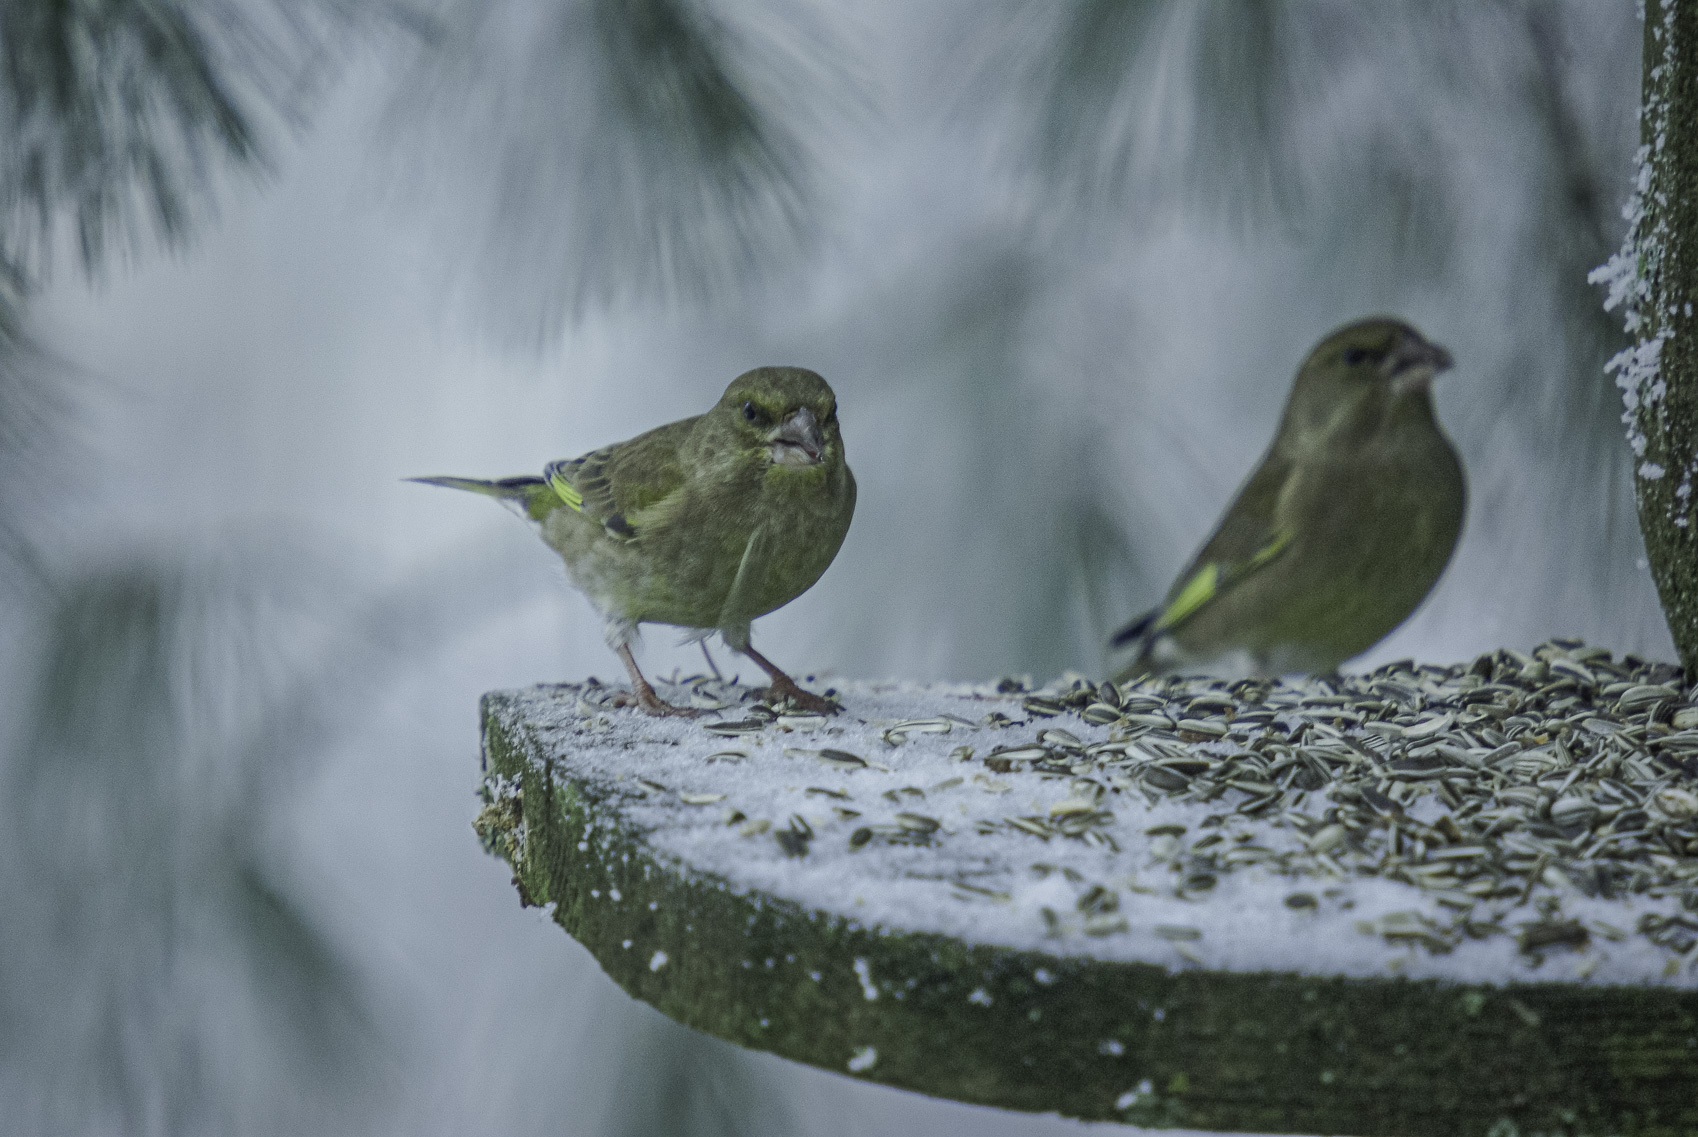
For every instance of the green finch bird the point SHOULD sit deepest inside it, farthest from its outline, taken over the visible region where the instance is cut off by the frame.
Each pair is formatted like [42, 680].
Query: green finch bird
[705, 523]
[1339, 533]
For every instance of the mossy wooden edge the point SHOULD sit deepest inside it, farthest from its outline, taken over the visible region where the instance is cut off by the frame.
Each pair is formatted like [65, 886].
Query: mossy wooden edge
[1097, 1040]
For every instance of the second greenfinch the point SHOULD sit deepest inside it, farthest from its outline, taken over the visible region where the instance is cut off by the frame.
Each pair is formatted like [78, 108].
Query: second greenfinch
[1339, 533]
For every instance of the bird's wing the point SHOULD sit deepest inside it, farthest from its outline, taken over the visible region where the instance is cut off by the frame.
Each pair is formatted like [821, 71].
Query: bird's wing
[1250, 537]
[623, 485]
[739, 605]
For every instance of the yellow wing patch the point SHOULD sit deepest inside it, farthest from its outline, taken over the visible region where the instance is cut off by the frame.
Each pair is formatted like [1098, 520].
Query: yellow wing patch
[1198, 591]
[1266, 553]
[1212, 577]
[558, 483]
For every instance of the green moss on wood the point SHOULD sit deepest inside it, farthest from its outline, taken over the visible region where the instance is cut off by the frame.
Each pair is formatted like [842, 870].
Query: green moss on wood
[1033, 1031]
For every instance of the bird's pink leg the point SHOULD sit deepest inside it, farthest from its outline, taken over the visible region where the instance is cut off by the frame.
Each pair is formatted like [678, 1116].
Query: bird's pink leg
[784, 688]
[643, 695]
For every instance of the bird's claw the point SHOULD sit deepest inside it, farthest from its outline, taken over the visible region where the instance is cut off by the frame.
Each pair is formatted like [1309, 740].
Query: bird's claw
[645, 700]
[785, 690]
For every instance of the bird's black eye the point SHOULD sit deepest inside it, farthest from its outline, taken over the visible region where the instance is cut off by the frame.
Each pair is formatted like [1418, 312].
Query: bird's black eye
[832, 416]
[753, 413]
[1354, 356]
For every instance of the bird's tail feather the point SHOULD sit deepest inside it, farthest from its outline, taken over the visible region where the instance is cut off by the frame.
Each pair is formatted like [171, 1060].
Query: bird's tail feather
[519, 488]
[530, 497]
[1137, 638]
[1138, 629]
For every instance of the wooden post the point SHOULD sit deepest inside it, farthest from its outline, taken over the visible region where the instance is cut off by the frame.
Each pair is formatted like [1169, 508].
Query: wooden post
[1655, 277]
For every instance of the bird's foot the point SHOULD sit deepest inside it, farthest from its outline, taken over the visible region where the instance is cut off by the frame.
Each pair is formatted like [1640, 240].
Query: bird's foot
[784, 690]
[645, 700]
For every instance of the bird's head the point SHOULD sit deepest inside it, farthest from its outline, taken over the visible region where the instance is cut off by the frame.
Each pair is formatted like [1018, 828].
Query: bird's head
[787, 414]
[1357, 379]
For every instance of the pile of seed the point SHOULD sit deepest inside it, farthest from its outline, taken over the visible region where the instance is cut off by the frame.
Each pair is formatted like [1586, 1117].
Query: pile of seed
[1505, 790]
[1513, 778]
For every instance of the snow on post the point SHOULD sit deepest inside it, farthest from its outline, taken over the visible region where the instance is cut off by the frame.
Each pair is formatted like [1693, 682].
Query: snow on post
[1654, 279]
[1426, 900]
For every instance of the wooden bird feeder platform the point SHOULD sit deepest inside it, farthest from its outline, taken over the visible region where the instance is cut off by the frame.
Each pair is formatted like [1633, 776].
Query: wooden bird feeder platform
[1422, 901]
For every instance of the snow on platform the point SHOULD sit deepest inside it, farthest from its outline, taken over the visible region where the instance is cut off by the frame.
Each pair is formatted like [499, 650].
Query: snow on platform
[1515, 830]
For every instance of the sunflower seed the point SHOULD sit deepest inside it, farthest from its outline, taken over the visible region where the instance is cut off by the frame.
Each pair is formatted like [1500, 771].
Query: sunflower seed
[1573, 670]
[742, 726]
[727, 756]
[1640, 697]
[1163, 778]
[1019, 753]
[1429, 727]
[923, 726]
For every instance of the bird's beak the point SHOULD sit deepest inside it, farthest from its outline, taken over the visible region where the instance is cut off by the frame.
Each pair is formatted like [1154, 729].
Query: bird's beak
[1414, 363]
[798, 441]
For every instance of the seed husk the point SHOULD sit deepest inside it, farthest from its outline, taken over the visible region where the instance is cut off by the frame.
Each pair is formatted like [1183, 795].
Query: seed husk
[918, 822]
[1034, 826]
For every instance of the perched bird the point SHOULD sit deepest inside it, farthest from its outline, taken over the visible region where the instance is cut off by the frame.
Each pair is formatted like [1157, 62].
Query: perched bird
[1340, 532]
[706, 523]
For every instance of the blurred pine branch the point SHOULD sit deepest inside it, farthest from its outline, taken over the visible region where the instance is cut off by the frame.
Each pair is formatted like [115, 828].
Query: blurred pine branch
[680, 172]
[121, 115]
[158, 977]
